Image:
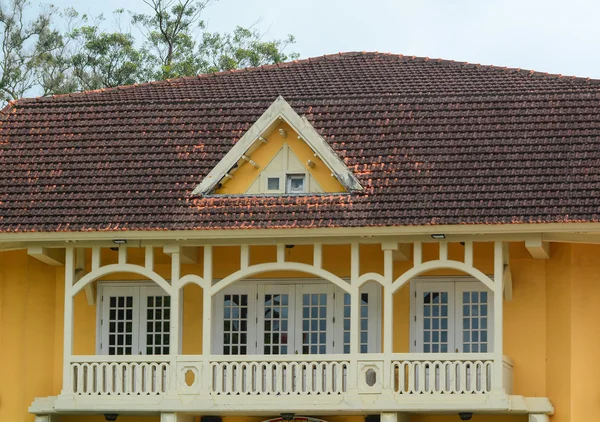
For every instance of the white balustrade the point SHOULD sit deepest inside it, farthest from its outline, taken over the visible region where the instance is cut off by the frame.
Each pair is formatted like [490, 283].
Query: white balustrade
[409, 374]
[278, 375]
[119, 375]
[442, 373]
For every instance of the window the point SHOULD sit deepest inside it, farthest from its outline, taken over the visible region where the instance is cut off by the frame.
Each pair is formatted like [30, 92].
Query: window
[134, 320]
[273, 183]
[451, 316]
[276, 319]
[295, 183]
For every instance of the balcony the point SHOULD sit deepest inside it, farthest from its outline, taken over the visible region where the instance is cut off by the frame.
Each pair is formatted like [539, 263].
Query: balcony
[333, 382]
[360, 380]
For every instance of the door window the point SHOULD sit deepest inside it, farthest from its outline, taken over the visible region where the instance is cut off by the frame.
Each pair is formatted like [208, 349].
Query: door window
[295, 319]
[452, 316]
[134, 320]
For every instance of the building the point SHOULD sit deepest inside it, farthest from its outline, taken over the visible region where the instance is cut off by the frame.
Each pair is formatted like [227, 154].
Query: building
[353, 236]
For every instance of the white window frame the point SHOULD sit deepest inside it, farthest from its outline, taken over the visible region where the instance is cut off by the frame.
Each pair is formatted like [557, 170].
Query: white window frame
[142, 287]
[218, 318]
[296, 288]
[327, 289]
[293, 176]
[454, 284]
[275, 289]
[266, 175]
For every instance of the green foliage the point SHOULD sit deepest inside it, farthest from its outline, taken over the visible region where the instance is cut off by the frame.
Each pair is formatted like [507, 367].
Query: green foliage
[26, 44]
[83, 55]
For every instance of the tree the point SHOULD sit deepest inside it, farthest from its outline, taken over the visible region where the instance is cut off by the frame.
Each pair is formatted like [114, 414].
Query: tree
[26, 44]
[104, 59]
[172, 43]
[64, 52]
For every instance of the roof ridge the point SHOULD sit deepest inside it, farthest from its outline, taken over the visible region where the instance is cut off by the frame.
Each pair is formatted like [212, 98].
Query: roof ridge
[452, 94]
[309, 60]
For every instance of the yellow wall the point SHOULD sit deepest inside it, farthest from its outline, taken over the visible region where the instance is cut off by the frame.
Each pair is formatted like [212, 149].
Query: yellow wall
[550, 327]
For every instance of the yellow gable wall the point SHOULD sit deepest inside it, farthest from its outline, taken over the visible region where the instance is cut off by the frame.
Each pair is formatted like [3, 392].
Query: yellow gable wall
[551, 325]
[246, 174]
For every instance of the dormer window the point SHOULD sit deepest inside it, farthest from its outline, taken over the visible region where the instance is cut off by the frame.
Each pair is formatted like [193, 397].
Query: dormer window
[280, 154]
[296, 183]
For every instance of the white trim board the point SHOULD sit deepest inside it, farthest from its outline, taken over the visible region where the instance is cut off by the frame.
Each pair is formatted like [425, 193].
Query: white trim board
[280, 109]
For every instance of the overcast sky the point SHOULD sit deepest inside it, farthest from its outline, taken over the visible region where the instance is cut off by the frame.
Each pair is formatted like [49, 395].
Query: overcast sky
[555, 36]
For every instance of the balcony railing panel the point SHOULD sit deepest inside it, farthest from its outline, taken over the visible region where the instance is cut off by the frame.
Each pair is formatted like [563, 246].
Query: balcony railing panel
[120, 375]
[443, 374]
[402, 375]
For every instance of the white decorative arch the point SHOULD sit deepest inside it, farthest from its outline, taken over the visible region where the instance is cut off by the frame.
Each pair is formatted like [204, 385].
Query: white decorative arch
[441, 264]
[193, 279]
[121, 268]
[365, 278]
[281, 266]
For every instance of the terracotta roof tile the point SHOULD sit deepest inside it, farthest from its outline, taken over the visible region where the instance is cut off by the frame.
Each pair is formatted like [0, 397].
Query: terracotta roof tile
[432, 141]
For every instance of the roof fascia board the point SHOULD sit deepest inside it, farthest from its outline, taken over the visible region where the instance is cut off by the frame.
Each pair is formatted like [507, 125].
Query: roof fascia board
[579, 229]
[280, 109]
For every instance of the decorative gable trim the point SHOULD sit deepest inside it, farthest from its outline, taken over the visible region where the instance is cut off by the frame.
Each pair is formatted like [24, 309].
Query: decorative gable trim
[280, 109]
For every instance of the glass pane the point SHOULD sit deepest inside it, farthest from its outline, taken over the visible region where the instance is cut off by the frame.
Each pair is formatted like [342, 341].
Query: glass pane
[120, 323]
[158, 325]
[314, 323]
[275, 323]
[435, 321]
[474, 322]
[235, 324]
[273, 183]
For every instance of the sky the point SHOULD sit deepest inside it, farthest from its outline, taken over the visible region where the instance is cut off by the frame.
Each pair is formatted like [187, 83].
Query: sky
[554, 36]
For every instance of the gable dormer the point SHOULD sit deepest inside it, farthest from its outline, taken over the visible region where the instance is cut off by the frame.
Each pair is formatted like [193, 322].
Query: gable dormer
[280, 154]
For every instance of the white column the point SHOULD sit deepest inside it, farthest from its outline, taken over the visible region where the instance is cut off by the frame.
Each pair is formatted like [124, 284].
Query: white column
[354, 300]
[207, 302]
[68, 320]
[538, 417]
[497, 381]
[175, 302]
[207, 317]
[176, 314]
[388, 302]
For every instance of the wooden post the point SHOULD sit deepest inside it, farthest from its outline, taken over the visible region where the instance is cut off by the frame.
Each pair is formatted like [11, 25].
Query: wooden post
[498, 383]
[68, 320]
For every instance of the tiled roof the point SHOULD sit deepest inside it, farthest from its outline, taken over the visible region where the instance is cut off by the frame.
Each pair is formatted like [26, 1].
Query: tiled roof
[431, 141]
